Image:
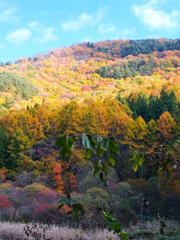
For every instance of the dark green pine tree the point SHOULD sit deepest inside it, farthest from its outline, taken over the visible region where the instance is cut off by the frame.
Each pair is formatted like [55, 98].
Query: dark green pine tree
[4, 142]
[132, 105]
[117, 73]
[178, 107]
[164, 96]
[152, 108]
[135, 116]
[121, 99]
[142, 106]
[169, 102]
[160, 107]
[173, 104]
[103, 71]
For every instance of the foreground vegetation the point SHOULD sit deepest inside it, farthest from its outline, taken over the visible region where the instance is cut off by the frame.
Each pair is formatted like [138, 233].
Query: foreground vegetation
[147, 231]
[16, 231]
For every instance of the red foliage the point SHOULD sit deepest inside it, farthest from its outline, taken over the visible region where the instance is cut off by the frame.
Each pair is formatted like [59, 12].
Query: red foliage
[40, 209]
[70, 183]
[42, 202]
[4, 202]
[86, 88]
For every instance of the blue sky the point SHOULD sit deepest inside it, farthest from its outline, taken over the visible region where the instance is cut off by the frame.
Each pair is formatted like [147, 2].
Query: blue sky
[30, 27]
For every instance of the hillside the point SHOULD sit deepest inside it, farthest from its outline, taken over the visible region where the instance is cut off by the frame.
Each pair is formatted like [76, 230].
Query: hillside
[88, 70]
[125, 89]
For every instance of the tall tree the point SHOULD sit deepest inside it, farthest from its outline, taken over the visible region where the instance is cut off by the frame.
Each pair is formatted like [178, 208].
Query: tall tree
[57, 171]
[4, 142]
[166, 126]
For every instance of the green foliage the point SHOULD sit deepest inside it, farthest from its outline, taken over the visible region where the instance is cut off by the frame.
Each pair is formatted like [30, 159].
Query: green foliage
[5, 188]
[98, 195]
[131, 68]
[91, 144]
[100, 145]
[91, 181]
[4, 142]
[137, 160]
[147, 46]
[17, 84]
[9, 102]
[77, 209]
[152, 107]
[115, 226]
[66, 144]
[33, 189]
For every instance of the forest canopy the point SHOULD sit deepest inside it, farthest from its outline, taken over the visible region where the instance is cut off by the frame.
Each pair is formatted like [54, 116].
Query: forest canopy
[125, 90]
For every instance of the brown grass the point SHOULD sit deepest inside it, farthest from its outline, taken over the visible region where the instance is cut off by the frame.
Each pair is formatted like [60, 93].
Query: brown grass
[15, 231]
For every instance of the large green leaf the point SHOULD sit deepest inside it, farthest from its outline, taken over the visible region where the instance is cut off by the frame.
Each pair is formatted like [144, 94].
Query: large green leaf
[71, 139]
[63, 152]
[105, 144]
[88, 153]
[113, 146]
[63, 201]
[99, 152]
[92, 141]
[111, 160]
[66, 144]
[61, 140]
[98, 139]
[135, 166]
[85, 141]
[137, 160]
[115, 226]
[97, 168]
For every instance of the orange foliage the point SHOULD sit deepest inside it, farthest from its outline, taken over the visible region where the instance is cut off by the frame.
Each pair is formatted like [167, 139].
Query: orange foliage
[166, 126]
[57, 170]
[3, 173]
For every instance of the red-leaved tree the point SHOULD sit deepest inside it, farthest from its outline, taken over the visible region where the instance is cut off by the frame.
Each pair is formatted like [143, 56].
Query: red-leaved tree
[57, 170]
[4, 202]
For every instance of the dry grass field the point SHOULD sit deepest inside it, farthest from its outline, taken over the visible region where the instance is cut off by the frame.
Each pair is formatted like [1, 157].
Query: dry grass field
[146, 231]
[15, 231]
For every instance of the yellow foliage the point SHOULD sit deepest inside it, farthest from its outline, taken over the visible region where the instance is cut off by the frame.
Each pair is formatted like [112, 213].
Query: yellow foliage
[34, 188]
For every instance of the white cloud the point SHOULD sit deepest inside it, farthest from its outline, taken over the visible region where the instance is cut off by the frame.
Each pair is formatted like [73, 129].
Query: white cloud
[107, 28]
[87, 39]
[114, 33]
[49, 35]
[8, 12]
[84, 20]
[36, 30]
[43, 34]
[19, 36]
[156, 18]
[7, 15]
[34, 25]
[127, 33]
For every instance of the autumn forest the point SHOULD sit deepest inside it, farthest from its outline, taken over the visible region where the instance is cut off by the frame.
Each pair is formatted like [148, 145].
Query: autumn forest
[126, 89]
